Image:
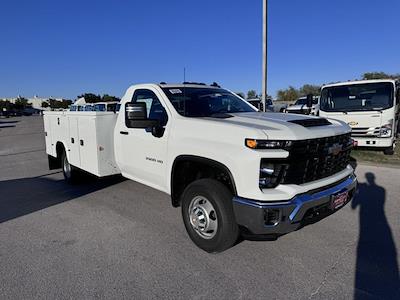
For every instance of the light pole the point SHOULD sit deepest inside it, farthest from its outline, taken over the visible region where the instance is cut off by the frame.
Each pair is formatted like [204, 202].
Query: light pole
[264, 60]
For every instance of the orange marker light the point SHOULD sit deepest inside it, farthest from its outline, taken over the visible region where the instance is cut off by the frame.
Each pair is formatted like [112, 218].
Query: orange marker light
[251, 143]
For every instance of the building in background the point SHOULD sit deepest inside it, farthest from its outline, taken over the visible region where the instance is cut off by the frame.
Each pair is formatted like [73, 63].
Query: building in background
[36, 102]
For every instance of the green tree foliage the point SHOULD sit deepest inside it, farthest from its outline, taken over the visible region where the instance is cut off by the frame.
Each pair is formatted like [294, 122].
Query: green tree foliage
[21, 103]
[289, 94]
[90, 98]
[93, 98]
[55, 104]
[108, 98]
[379, 75]
[310, 89]
[45, 104]
[6, 104]
[251, 94]
[240, 94]
[292, 94]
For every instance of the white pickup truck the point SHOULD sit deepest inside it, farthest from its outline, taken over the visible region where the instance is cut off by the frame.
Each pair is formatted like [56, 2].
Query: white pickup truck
[231, 169]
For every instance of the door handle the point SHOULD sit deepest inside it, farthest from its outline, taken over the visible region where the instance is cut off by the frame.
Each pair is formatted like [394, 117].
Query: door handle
[81, 142]
[124, 132]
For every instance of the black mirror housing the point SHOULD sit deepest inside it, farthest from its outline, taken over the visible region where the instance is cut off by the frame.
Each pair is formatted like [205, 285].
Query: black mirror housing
[310, 99]
[135, 111]
[136, 116]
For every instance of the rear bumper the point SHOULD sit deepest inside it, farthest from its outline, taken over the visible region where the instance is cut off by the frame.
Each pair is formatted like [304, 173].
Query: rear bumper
[287, 216]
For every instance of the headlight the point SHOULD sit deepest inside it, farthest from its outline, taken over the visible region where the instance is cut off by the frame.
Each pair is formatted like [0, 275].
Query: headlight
[386, 130]
[270, 173]
[267, 144]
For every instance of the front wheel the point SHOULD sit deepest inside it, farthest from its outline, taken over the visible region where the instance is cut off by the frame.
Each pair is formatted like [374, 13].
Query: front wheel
[389, 150]
[208, 215]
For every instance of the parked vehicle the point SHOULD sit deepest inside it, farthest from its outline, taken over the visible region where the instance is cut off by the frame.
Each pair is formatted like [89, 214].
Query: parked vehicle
[5, 112]
[89, 107]
[300, 107]
[231, 169]
[105, 106]
[370, 107]
[257, 103]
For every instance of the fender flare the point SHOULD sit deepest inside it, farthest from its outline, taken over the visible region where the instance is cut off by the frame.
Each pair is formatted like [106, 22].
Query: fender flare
[202, 160]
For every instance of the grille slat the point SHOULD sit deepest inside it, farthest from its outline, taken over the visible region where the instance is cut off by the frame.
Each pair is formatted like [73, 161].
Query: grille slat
[315, 159]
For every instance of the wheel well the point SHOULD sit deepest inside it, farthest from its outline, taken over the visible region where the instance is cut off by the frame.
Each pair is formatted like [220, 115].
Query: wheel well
[55, 162]
[60, 149]
[187, 169]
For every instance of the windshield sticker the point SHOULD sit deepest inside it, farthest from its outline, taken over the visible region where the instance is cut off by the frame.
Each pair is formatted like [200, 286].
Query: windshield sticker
[175, 91]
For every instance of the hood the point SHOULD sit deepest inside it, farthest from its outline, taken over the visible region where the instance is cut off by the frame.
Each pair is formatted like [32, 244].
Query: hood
[280, 126]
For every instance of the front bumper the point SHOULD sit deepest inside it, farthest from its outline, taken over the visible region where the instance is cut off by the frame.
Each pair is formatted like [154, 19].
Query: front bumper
[373, 142]
[290, 215]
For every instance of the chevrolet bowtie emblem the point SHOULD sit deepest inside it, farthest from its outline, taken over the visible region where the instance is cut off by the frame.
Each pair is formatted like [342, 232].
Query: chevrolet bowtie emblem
[353, 123]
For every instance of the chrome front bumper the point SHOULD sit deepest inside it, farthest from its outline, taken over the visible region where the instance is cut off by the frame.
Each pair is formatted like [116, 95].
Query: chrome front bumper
[289, 215]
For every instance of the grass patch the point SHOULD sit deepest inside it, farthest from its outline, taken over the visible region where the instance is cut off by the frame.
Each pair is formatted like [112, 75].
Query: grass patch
[377, 156]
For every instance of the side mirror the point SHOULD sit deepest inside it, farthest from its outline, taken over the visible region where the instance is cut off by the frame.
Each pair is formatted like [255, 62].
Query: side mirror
[136, 116]
[310, 99]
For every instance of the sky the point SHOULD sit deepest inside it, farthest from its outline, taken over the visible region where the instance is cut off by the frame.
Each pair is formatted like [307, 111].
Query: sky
[66, 48]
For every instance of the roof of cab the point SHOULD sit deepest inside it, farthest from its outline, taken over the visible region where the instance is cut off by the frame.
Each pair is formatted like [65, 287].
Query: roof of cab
[360, 82]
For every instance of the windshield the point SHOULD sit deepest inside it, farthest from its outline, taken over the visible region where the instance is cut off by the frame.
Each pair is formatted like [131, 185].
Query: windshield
[205, 102]
[357, 97]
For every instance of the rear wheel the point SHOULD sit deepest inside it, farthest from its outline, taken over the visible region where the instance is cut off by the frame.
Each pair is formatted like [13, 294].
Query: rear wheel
[208, 215]
[69, 171]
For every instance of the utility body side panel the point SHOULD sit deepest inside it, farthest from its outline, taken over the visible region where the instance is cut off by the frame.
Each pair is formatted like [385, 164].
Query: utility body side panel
[88, 139]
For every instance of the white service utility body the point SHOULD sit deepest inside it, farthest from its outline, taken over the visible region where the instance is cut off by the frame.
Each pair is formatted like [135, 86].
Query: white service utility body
[231, 168]
[370, 107]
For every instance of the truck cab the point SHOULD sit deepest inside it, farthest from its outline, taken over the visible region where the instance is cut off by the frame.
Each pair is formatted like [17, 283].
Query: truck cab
[369, 107]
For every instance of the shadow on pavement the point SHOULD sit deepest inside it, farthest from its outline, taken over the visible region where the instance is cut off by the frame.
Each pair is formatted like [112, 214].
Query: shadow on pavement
[377, 271]
[24, 196]
[8, 122]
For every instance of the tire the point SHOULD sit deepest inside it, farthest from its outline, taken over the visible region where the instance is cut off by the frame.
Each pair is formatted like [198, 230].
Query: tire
[70, 172]
[208, 215]
[389, 150]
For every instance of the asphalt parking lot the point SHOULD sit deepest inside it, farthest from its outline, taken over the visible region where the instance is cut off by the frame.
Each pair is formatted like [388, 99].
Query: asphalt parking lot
[115, 238]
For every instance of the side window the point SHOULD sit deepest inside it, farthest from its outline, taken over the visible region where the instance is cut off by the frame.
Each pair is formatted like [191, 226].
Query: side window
[155, 110]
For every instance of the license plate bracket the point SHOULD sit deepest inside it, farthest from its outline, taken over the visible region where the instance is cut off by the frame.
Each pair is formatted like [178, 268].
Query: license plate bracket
[338, 200]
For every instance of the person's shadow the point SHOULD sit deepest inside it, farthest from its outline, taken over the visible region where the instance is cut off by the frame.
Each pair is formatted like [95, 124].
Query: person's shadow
[377, 271]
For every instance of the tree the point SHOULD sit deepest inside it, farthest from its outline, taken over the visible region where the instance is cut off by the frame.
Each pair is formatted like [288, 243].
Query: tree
[290, 94]
[21, 103]
[108, 98]
[90, 97]
[251, 94]
[45, 104]
[310, 89]
[55, 104]
[240, 94]
[379, 75]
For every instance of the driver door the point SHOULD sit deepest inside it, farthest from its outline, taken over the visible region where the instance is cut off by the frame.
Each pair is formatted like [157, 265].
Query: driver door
[144, 154]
